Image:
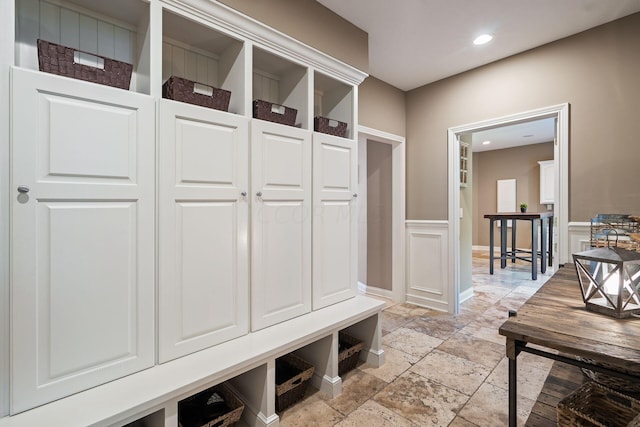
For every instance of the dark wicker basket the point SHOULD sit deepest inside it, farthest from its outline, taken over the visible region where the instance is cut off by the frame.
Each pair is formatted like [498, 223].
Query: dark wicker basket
[199, 410]
[191, 92]
[594, 405]
[329, 126]
[292, 378]
[271, 112]
[60, 60]
[616, 383]
[348, 353]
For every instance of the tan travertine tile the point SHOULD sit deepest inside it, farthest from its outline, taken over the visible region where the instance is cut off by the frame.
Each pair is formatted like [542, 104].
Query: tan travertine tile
[461, 422]
[373, 414]
[312, 411]
[421, 401]
[392, 321]
[408, 310]
[454, 372]
[478, 330]
[530, 378]
[442, 326]
[477, 350]
[410, 341]
[396, 362]
[357, 388]
[488, 407]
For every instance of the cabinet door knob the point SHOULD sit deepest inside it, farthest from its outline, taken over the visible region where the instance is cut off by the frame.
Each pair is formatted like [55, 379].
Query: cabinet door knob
[259, 194]
[23, 189]
[243, 194]
[355, 195]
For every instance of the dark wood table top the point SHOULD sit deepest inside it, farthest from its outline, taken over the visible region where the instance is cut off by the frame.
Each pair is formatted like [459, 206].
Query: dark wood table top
[555, 317]
[519, 215]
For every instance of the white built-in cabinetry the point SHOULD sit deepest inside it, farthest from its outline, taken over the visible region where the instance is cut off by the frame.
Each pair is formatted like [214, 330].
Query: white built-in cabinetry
[159, 248]
[547, 179]
[335, 219]
[203, 221]
[281, 223]
[83, 236]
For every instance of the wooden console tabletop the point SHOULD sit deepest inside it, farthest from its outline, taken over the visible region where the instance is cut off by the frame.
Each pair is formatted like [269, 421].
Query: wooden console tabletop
[555, 318]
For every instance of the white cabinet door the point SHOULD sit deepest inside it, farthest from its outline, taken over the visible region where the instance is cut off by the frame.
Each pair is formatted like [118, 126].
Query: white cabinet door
[547, 190]
[82, 242]
[281, 223]
[335, 163]
[203, 225]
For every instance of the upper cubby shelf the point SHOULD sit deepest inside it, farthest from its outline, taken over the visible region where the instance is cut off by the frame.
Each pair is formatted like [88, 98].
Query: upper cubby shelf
[199, 40]
[114, 29]
[280, 81]
[334, 100]
[197, 52]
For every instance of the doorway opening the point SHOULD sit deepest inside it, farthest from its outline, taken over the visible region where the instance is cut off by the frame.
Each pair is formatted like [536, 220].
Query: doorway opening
[460, 244]
[381, 207]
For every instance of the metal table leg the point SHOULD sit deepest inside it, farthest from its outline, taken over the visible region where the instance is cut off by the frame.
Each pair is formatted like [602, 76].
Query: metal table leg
[513, 240]
[550, 220]
[503, 243]
[543, 245]
[534, 249]
[513, 395]
[491, 228]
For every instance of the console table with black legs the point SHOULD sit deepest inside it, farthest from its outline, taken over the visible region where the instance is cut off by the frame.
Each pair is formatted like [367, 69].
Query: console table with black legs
[544, 219]
[560, 328]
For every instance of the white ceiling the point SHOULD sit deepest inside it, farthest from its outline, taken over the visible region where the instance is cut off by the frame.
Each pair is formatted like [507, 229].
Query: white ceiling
[416, 42]
[531, 132]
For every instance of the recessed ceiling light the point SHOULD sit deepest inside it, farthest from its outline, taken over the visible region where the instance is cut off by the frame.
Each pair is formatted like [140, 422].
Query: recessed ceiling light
[482, 39]
[486, 142]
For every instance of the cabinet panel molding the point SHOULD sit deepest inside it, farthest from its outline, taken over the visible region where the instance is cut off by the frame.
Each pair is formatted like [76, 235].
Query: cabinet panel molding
[335, 238]
[83, 237]
[202, 225]
[281, 223]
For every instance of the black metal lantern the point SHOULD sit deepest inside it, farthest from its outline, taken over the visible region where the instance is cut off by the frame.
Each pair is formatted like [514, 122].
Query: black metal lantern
[610, 280]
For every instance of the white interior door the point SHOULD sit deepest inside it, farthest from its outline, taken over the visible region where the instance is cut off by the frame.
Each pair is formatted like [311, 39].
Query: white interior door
[82, 233]
[203, 226]
[335, 239]
[281, 223]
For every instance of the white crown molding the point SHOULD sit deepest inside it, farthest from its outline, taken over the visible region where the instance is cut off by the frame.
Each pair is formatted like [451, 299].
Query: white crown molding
[237, 24]
[380, 135]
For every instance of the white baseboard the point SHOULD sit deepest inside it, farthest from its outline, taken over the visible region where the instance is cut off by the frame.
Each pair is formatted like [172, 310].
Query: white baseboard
[465, 295]
[376, 292]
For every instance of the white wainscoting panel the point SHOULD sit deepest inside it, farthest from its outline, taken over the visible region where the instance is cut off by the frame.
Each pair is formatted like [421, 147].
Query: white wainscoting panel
[428, 264]
[579, 237]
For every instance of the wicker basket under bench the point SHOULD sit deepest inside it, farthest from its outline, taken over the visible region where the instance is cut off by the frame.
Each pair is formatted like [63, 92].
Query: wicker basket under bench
[348, 353]
[217, 406]
[292, 378]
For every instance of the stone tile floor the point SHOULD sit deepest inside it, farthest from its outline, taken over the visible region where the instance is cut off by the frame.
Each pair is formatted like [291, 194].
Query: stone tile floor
[440, 369]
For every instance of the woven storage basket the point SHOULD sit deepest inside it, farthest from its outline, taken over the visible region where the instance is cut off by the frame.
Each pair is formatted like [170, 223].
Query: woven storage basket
[61, 60]
[292, 378]
[271, 112]
[593, 405]
[616, 383]
[348, 353]
[198, 410]
[329, 126]
[191, 92]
